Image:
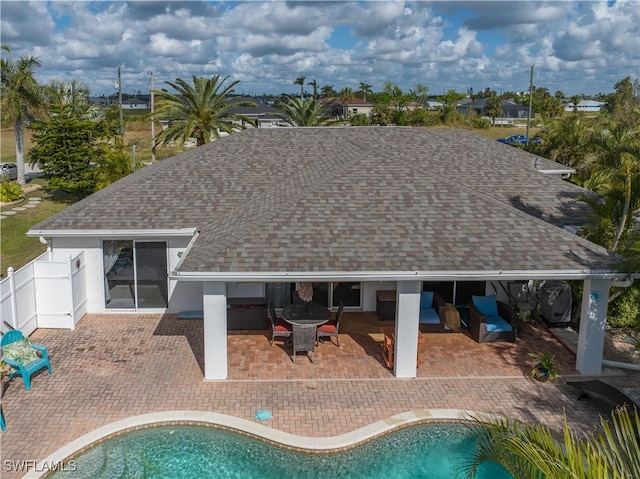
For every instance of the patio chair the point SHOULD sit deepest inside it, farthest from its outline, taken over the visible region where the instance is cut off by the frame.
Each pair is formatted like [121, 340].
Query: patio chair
[25, 358]
[279, 327]
[304, 340]
[330, 329]
[491, 320]
[431, 320]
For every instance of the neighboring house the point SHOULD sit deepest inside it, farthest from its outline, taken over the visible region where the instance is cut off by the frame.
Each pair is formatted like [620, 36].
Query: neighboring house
[262, 115]
[585, 106]
[349, 108]
[510, 109]
[134, 104]
[353, 210]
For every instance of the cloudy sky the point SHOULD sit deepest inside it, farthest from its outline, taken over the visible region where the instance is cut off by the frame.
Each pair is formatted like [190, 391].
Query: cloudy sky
[575, 47]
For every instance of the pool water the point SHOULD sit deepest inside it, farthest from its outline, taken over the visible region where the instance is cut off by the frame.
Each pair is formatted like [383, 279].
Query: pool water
[434, 451]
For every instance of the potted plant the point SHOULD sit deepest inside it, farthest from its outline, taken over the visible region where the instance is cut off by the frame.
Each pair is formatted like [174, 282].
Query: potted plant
[543, 367]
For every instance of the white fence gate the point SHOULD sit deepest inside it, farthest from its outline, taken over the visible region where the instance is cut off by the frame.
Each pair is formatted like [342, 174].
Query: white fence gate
[44, 294]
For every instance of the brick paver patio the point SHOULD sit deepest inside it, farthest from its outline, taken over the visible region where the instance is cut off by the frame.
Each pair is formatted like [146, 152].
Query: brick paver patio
[116, 366]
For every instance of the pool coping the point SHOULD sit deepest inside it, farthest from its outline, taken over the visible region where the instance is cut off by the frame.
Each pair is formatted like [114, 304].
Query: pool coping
[252, 428]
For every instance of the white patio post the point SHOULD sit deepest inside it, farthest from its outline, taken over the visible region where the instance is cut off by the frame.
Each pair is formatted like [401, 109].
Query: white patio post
[215, 330]
[593, 318]
[407, 316]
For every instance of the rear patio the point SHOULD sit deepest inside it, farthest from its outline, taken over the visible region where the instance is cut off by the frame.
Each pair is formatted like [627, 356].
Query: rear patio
[117, 366]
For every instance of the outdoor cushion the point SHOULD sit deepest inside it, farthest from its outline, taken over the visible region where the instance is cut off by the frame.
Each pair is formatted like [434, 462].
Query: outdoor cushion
[487, 305]
[282, 325]
[429, 316]
[327, 328]
[495, 324]
[20, 351]
[426, 299]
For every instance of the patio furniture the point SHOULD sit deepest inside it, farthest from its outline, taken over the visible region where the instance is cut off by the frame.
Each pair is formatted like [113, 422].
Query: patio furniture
[279, 327]
[388, 345]
[604, 395]
[330, 329]
[304, 339]
[491, 320]
[306, 313]
[386, 304]
[451, 317]
[25, 358]
[3, 426]
[247, 313]
[521, 299]
[431, 320]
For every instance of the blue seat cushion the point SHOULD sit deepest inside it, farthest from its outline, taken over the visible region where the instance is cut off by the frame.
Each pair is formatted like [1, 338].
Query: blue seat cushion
[429, 316]
[426, 299]
[495, 324]
[487, 305]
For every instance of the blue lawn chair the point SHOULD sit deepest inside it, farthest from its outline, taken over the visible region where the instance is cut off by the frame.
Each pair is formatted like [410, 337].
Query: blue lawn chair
[25, 358]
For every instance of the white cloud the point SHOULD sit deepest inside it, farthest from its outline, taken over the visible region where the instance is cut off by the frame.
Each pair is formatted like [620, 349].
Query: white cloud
[575, 46]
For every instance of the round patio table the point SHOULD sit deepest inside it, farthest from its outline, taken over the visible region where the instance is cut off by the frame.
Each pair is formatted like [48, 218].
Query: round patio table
[312, 314]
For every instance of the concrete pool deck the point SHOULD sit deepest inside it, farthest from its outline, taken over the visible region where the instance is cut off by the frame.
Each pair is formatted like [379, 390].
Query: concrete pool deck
[116, 367]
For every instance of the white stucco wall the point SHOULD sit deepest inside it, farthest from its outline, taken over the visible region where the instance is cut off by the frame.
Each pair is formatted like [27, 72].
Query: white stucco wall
[186, 296]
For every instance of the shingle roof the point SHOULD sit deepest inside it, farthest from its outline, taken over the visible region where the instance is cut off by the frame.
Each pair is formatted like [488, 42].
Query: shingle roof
[352, 200]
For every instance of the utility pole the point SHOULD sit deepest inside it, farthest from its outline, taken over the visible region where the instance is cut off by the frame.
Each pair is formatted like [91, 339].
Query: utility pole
[153, 123]
[133, 153]
[120, 103]
[530, 102]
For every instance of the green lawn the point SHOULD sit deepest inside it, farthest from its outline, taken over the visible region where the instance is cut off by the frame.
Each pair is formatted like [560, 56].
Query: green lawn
[15, 247]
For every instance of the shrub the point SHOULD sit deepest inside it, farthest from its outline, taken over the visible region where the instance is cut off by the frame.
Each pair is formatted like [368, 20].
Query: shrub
[481, 123]
[10, 191]
[624, 311]
[360, 120]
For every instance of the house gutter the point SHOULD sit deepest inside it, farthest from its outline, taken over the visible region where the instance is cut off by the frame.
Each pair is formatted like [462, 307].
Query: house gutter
[137, 233]
[277, 276]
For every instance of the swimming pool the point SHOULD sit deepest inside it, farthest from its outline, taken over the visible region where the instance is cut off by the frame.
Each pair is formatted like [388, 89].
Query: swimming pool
[431, 450]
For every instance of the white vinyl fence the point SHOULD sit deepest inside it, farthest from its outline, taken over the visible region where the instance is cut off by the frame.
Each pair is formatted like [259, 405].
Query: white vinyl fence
[44, 294]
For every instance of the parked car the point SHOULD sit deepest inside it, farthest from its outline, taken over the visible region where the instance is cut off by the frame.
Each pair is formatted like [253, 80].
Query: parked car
[518, 140]
[9, 171]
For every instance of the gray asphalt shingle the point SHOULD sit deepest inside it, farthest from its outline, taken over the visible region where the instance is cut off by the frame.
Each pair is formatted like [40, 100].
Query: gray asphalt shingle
[352, 199]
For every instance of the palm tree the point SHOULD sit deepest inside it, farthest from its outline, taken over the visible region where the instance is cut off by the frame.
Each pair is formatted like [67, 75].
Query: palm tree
[298, 112]
[203, 110]
[327, 91]
[300, 81]
[535, 452]
[21, 98]
[565, 141]
[364, 89]
[575, 99]
[314, 84]
[493, 108]
[617, 156]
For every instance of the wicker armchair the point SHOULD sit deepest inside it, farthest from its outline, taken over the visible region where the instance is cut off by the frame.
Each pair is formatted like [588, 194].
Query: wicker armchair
[330, 329]
[488, 327]
[304, 340]
[279, 327]
[431, 318]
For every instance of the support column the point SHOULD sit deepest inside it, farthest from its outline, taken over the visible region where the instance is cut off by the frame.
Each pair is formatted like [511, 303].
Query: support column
[215, 329]
[593, 318]
[407, 318]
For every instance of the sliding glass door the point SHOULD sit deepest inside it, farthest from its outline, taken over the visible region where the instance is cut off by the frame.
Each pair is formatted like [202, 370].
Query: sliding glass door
[151, 274]
[135, 274]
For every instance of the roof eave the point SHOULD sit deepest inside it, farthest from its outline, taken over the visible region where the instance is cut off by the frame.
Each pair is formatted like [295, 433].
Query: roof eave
[113, 233]
[289, 276]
